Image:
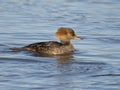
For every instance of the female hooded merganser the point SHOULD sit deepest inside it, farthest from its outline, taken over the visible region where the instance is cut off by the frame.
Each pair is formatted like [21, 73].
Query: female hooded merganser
[53, 47]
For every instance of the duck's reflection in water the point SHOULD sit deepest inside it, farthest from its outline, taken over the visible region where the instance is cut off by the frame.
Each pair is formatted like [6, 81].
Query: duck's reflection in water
[67, 64]
[66, 68]
[63, 62]
[61, 58]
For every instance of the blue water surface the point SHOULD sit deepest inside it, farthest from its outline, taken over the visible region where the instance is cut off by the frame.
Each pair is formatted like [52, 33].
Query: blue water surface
[95, 65]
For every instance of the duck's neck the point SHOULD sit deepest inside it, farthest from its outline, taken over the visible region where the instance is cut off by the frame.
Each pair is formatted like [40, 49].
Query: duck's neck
[67, 46]
[67, 42]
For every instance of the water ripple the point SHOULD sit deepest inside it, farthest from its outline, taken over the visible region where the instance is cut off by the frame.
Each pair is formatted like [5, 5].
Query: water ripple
[109, 40]
[106, 75]
[27, 21]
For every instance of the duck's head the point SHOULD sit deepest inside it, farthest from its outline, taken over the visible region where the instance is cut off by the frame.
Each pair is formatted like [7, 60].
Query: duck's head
[66, 34]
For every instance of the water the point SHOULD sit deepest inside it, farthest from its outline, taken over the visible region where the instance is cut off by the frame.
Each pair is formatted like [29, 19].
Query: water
[95, 65]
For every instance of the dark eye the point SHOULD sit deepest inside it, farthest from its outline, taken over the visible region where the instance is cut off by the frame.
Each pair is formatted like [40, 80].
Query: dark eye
[72, 33]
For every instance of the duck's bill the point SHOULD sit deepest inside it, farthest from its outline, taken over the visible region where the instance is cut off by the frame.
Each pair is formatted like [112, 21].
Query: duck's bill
[78, 38]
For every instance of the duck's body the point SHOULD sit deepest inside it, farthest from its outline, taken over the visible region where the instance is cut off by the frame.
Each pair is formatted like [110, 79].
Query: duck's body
[54, 47]
[50, 47]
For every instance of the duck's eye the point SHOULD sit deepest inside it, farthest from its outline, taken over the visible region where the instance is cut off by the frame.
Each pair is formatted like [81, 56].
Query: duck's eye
[72, 33]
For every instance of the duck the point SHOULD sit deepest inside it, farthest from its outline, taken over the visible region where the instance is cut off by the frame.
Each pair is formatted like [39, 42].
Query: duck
[64, 46]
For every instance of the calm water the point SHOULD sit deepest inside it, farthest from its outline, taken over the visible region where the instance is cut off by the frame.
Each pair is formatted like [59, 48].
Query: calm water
[95, 65]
